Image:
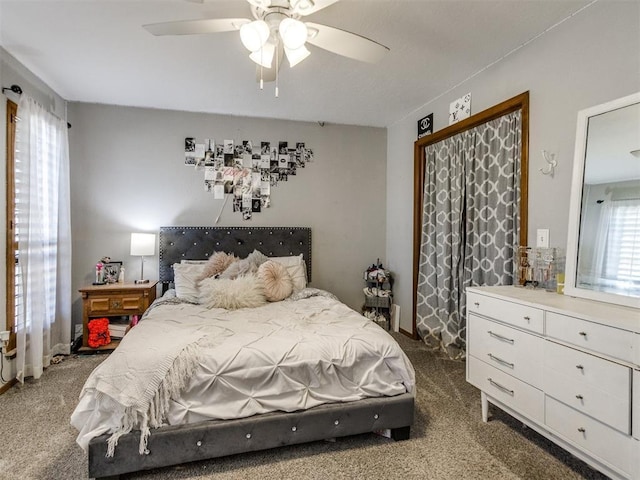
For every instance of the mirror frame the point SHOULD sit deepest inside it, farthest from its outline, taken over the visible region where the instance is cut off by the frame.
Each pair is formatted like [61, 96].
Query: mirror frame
[575, 206]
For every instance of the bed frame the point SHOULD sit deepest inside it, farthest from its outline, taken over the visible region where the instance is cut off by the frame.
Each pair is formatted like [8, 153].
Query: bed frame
[173, 445]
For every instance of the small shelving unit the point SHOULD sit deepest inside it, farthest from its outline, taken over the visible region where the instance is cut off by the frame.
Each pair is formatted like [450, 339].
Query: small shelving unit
[378, 295]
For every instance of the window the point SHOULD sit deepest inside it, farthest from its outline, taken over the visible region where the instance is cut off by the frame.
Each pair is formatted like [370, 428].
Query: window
[622, 255]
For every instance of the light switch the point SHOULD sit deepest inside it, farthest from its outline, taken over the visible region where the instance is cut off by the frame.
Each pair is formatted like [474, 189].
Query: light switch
[542, 238]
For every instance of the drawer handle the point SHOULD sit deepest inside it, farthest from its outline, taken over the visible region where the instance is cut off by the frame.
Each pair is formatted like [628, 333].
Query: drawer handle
[580, 367]
[584, 334]
[500, 361]
[477, 304]
[500, 337]
[528, 319]
[117, 304]
[500, 387]
[582, 430]
[579, 397]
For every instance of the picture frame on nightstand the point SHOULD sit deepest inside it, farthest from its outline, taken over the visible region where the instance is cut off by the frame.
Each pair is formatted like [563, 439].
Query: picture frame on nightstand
[112, 271]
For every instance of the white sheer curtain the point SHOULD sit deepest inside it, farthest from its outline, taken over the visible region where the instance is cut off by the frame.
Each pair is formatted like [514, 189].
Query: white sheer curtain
[43, 324]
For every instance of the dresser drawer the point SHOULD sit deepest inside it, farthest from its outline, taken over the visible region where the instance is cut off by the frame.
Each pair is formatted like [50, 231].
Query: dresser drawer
[592, 336]
[523, 398]
[513, 351]
[592, 385]
[522, 316]
[608, 444]
[116, 304]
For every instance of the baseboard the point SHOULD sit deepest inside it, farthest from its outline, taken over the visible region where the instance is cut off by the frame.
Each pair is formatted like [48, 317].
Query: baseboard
[7, 385]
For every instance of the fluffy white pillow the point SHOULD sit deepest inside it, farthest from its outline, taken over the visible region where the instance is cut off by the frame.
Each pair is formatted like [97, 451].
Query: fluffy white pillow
[276, 281]
[185, 279]
[243, 292]
[217, 263]
[297, 270]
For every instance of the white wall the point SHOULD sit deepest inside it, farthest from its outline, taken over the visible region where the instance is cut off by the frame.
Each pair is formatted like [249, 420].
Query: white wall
[12, 72]
[128, 174]
[591, 58]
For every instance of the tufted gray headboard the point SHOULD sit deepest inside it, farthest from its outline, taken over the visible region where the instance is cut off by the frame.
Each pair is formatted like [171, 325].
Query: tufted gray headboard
[198, 243]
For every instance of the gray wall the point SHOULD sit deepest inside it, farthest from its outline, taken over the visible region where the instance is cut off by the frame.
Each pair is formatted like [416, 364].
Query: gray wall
[128, 174]
[13, 72]
[589, 59]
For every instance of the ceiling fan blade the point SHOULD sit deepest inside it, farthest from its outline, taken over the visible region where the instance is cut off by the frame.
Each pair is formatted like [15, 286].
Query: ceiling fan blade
[193, 27]
[345, 43]
[307, 7]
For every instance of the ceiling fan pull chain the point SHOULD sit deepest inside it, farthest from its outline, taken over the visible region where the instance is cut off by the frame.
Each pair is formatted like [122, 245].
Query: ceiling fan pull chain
[277, 63]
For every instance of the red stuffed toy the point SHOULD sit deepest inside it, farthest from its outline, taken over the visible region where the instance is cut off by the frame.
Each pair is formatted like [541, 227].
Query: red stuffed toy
[99, 332]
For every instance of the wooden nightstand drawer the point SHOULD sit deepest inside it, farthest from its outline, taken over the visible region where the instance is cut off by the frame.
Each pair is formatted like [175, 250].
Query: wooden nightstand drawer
[116, 304]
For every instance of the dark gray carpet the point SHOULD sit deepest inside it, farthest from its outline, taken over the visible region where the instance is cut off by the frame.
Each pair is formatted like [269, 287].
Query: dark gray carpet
[448, 439]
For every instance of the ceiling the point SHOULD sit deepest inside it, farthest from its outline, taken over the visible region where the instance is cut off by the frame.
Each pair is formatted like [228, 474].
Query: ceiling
[98, 52]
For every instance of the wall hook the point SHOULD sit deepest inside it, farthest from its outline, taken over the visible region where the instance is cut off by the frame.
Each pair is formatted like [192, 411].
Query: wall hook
[550, 158]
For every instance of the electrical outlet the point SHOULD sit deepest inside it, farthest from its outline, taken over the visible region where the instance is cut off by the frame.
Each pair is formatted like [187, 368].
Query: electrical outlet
[542, 238]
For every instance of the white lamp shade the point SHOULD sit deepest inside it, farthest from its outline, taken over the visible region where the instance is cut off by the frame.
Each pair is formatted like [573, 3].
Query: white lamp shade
[296, 56]
[143, 244]
[264, 55]
[254, 34]
[293, 33]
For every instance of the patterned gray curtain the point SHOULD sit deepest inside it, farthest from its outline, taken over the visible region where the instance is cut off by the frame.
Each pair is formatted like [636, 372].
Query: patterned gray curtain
[470, 223]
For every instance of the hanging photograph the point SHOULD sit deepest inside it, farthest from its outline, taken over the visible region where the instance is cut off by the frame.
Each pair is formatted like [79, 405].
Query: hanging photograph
[209, 153]
[256, 205]
[283, 148]
[189, 151]
[256, 161]
[228, 147]
[218, 191]
[265, 148]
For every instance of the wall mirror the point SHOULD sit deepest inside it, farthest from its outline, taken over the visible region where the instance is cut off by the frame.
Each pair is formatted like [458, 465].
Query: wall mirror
[603, 248]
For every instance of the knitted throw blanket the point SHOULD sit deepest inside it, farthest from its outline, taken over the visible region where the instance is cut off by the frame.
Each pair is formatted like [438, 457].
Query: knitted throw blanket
[141, 381]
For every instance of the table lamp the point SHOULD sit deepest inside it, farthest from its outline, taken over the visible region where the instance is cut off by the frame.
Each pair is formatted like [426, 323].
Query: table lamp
[142, 244]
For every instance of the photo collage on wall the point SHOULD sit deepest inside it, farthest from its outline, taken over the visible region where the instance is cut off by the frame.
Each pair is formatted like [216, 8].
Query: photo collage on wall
[245, 170]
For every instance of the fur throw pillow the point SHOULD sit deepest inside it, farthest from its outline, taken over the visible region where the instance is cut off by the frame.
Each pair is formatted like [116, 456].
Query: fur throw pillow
[217, 263]
[276, 281]
[243, 292]
[245, 266]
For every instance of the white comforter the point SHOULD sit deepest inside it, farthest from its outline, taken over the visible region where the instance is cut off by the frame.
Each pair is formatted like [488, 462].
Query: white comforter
[286, 356]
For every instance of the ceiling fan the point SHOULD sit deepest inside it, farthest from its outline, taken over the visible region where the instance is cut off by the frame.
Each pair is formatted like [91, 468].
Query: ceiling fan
[276, 28]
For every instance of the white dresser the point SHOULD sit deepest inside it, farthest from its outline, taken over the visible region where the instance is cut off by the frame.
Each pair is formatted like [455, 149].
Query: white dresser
[567, 367]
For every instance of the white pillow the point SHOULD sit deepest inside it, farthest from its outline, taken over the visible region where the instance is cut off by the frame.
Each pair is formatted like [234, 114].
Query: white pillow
[242, 292]
[185, 279]
[297, 270]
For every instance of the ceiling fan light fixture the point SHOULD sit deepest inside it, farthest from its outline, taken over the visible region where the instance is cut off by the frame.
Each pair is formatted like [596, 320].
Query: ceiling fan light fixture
[254, 34]
[295, 56]
[264, 55]
[293, 32]
[302, 5]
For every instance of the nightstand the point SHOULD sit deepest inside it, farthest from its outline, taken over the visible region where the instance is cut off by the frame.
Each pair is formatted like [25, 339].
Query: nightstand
[113, 300]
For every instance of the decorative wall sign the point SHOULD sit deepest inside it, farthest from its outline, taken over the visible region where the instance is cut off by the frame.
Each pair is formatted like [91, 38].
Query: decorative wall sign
[460, 109]
[239, 169]
[425, 125]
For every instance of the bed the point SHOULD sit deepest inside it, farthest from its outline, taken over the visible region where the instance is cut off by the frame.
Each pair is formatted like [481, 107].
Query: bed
[252, 406]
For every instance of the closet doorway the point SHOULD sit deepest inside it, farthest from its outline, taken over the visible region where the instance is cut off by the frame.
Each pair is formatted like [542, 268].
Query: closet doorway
[470, 215]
